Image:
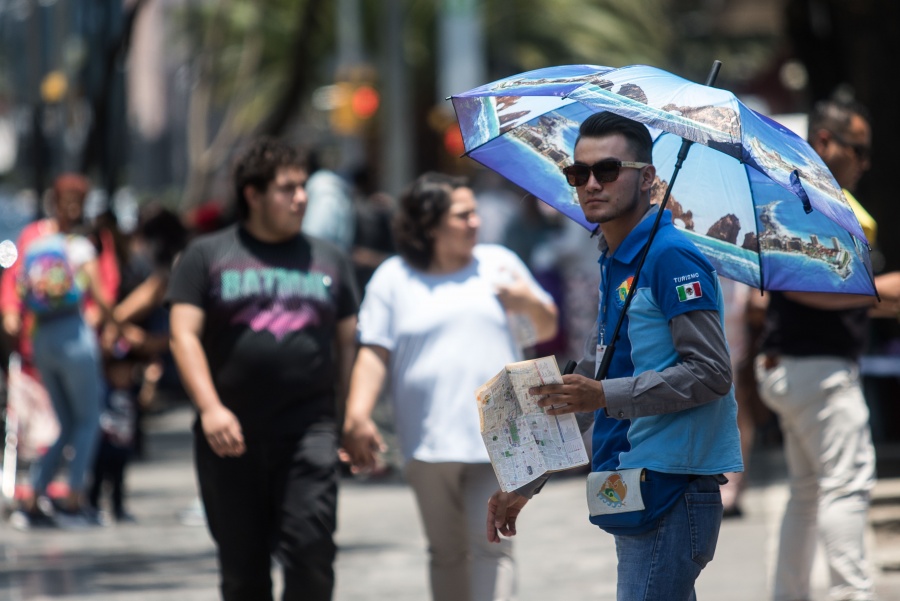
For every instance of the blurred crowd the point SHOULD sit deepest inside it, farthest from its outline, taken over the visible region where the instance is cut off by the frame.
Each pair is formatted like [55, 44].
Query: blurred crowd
[125, 312]
[87, 332]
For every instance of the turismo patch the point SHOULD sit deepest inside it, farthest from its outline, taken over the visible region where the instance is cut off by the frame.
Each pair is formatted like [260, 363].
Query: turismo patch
[689, 291]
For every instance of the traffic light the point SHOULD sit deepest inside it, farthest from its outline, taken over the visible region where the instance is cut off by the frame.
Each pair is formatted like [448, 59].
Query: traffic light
[352, 104]
[364, 102]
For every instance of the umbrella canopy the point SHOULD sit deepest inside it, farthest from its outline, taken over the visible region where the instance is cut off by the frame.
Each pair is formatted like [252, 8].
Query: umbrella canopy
[753, 196]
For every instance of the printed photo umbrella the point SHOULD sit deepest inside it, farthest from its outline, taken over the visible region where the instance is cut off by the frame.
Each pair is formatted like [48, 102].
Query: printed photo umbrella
[753, 196]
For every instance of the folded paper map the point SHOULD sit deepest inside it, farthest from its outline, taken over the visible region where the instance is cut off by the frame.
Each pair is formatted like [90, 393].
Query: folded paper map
[522, 441]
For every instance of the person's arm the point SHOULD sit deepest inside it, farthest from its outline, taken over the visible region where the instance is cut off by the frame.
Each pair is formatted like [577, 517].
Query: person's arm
[361, 440]
[345, 347]
[220, 426]
[11, 304]
[101, 300]
[518, 297]
[143, 299]
[703, 375]
[888, 286]
[147, 343]
[831, 301]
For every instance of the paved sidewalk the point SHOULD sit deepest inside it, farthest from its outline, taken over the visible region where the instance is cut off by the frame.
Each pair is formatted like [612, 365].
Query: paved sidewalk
[560, 555]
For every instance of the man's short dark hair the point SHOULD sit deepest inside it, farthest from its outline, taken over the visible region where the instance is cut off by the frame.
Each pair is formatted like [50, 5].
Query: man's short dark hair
[258, 166]
[422, 205]
[605, 124]
[834, 114]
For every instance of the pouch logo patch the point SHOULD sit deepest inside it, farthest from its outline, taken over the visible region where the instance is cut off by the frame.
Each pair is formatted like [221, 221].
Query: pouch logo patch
[613, 491]
[688, 291]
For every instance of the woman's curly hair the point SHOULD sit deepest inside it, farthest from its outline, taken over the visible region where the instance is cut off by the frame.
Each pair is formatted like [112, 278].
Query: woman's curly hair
[422, 205]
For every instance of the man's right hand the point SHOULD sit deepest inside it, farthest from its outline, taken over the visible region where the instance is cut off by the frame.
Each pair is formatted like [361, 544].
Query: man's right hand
[503, 509]
[362, 444]
[223, 431]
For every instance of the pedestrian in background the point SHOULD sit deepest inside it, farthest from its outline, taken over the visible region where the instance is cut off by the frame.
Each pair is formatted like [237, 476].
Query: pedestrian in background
[329, 212]
[47, 291]
[263, 322]
[436, 321]
[808, 374]
[118, 425]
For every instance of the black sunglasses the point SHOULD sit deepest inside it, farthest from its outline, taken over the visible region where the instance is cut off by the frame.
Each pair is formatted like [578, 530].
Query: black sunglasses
[861, 151]
[604, 171]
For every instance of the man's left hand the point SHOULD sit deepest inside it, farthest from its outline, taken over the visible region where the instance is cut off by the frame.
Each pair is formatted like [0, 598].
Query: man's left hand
[577, 394]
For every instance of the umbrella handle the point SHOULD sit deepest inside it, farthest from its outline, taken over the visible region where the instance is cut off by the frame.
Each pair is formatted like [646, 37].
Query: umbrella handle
[603, 369]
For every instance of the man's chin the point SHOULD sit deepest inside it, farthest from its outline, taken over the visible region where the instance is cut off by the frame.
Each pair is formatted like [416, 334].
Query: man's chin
[598, 219]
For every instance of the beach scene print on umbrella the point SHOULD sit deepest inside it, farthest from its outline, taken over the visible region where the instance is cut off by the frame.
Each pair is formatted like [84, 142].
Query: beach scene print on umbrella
[753, 196]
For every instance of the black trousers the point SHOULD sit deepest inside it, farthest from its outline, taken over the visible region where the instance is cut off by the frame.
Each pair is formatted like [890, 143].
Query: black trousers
[279, 498]
[109, 466]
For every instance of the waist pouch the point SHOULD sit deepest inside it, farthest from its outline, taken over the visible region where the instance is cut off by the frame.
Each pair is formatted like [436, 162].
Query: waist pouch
[632, 501]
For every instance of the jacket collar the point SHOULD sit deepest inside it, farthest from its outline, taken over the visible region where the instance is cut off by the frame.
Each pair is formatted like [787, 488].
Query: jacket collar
[636, 238]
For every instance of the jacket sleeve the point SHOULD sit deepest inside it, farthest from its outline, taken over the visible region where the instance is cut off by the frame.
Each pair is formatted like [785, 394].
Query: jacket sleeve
[703, 375]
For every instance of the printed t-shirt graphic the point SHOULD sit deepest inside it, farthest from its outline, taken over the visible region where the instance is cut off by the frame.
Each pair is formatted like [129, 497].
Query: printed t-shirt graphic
[270, 316]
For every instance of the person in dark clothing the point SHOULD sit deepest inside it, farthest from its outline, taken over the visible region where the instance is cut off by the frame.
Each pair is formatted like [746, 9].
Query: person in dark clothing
[118, 421]
[263, 322]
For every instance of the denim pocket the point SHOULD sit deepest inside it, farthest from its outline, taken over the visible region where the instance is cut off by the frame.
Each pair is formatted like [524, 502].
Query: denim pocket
[705, 515]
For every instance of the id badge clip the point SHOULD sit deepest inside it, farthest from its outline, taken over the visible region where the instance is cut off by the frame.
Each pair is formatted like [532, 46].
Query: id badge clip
[601, 350]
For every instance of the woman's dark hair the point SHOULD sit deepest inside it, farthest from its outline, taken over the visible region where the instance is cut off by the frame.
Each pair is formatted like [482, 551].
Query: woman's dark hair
[422, 205]
[636, 134]
[835, 115]
[258, 166]
[164, 234]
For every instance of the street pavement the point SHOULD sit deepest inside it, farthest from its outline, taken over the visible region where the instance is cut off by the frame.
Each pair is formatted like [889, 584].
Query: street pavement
[382, 550]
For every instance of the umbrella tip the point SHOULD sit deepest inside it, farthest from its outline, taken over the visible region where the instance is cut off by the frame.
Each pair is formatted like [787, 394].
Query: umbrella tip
[713, 73]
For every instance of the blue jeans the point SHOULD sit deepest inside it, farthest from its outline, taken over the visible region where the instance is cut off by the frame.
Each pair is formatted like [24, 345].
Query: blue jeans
[68, 359]
[664, 563]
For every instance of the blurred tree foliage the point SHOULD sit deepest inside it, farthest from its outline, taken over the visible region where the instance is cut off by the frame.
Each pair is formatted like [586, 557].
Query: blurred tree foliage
[250, 61]
[255, 63]
[530, 34]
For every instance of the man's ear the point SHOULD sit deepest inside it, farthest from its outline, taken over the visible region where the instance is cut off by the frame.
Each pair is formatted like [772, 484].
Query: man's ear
[648, 176]
[820, 140]
[252, 195]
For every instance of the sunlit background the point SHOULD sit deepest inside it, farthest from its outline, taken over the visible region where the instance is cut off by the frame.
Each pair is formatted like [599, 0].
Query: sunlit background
[151, 98]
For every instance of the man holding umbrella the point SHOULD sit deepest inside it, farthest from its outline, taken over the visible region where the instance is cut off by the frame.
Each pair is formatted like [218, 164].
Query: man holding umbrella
[665, 418]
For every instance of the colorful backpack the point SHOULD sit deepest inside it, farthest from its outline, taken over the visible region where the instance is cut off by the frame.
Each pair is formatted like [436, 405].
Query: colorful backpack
[46, 280]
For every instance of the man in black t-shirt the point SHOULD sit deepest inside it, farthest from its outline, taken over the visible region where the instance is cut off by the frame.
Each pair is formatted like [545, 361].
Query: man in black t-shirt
[808, 373]
[263, 324]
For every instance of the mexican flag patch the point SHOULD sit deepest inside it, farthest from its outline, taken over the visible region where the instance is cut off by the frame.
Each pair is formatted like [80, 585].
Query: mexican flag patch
[689, 291]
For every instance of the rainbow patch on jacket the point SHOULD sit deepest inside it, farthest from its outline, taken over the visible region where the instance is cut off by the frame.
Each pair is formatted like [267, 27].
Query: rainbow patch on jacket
[622, 290]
